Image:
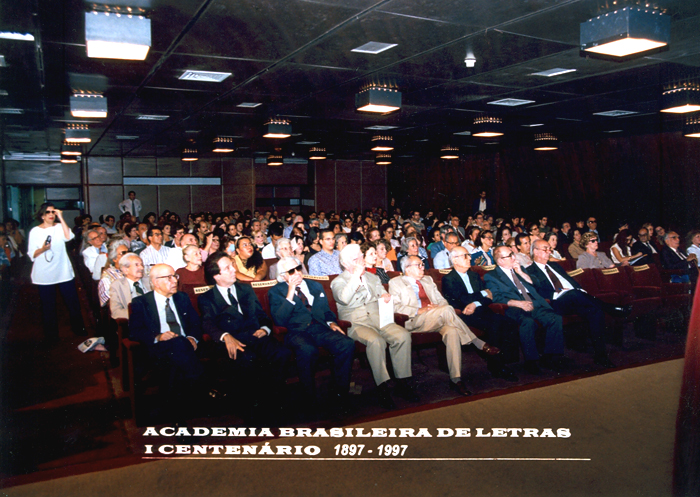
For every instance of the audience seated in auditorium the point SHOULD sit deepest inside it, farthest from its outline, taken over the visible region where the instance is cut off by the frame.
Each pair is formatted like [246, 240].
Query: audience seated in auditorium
[591, 258]
[327, 261]
[155, 253]
[112, 271]
[673, 258]
[193, 271]
[132, 285]
[483, 255]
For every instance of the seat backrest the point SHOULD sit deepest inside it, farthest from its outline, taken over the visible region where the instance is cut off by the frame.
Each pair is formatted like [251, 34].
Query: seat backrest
[482, 270]
[612, 280]
[567, 264]
[260, 288]
[645, 275]
[586, 279]
[194, 291]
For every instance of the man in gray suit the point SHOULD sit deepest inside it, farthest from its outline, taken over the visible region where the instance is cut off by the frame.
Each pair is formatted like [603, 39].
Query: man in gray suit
[123, 290]
[357, 293]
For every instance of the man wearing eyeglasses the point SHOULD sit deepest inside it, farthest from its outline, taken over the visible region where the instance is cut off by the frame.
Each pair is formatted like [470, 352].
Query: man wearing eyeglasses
[91, 253]
[417, 296]
[512, 286]
[567, 297]
[675, 259]
[301, 306]
[156, 252]
[166, 323]
[442, 259]
[644, 245]
[592, 225]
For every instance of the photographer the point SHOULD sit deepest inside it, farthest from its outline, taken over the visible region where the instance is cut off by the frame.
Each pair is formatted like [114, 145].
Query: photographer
[53, 270]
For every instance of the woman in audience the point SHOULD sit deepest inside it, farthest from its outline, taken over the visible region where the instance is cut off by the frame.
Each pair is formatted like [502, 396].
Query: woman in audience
[483, 255]
[167, 232]
[502, 235]
[369, 250]
[259, 240]
[284, 249]
[410, 246]
[52, 270]
[299, 248]
[150, 219]
[472, 235]
[193, 272]
[591, 258]
[552, 239]
[112, 272]
[575, 249]
[621, 252]
[435, 239]
[383, 248]
[511, 243]
[535, 233]
[357, 238]
[249, 263]
[341, 240]
[692, 241]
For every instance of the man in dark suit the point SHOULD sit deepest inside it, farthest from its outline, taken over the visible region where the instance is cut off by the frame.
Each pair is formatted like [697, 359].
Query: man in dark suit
[232, 314]
[644, 245]
[481, 204]
[673, 258]
[510, 285]
[567, 297]
[464, 290]
[302, 307]
[167, 324]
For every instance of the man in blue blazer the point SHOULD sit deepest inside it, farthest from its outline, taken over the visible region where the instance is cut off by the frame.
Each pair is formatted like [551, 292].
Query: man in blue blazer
[232, 314]
[301, 306]
[167, 324]
[567, 297]
[510, 285]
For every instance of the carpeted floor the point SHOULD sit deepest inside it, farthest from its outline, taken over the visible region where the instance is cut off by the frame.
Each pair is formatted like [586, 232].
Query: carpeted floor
[621, 425]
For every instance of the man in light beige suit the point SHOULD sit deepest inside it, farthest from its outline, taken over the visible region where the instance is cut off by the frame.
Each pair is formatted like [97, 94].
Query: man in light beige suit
[123, 290]
[417, 296]
[357, 293]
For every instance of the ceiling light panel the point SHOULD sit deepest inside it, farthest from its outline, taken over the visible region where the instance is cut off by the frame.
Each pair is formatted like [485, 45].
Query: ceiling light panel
[381, 128]
[614, 113]
[151, 117]
[511, 102]
[557, 71]
[10, 35]
[249, 105]
[204, 76]
[374, 47]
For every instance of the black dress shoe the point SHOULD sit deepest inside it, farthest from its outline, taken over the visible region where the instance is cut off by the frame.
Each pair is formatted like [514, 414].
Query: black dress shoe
[504, 373]
[618, 311]
[385, 399]
[603, 361]
[532, 367]
[406, 390]
[460, 388]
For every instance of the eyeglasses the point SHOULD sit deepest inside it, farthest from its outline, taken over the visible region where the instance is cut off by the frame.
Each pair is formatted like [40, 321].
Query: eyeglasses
[169, 276]
[93, 238]
[547, 249]
[294, 270]
[672, 236]
[420, 265]
[488, 237]
[594, 240]
[640, 235]
[507, 256]
[50, 212]
[593, 221]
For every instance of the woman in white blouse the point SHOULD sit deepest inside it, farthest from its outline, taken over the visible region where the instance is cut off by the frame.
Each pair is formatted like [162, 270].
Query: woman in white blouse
[53, 271]
[692, 241]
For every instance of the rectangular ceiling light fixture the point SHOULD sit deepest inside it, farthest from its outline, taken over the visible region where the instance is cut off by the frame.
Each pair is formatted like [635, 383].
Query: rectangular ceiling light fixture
[78, 133]
[127, 137]
[110, 35]
[614, 113]
[557, 71]
[88, 105]
[374, 47]
[378, 100]
[151, 117]
[7, 110]
[381, 128]
[463, 133]
[511, 102]
[206, 76]
[682, 99]
[10, 35]
[3, 63]
[625, 33]
[249, 105]
[536, 125]
[307, 143]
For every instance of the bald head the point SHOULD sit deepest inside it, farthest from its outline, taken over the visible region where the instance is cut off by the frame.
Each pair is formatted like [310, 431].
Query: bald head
[163, 280]
[188, 239]
[541, 251]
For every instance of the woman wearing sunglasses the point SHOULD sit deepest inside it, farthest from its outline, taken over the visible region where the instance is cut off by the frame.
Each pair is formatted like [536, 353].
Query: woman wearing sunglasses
[52, 270]
[591, 258]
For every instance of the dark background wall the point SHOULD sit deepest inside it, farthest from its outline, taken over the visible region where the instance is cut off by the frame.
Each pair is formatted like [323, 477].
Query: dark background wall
[639, 178]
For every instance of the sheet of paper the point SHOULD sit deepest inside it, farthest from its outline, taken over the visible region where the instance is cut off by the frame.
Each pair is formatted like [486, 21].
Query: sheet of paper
[386, 312]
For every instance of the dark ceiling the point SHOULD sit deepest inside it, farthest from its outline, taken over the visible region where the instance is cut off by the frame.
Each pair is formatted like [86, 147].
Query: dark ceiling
[294, 57]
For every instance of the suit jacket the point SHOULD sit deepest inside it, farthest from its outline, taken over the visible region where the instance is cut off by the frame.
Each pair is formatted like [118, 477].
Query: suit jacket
[455, 291]
[406, 301]
[120, 296]
[218, 317]
[296, 317]
[477, 202]
[358, 308]
[542, 284]
[640, 247]
[144, 323]
[504, 290]
[669, 260]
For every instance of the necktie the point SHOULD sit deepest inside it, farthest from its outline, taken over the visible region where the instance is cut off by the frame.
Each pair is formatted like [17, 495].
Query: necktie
[303, 298]
[558, 287]
[138, 288]
[424, 300]
[680, 254]
[171, 319]
[232, 299]
[519, 285]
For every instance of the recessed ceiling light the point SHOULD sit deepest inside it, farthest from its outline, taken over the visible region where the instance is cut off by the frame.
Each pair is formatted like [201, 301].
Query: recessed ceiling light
[249, 105]
[7, 110]
[8, 35]
[463, 133]
[533, 125]
[614, 131]
[557, 71]
[614, 113]
[127, 137]
[374, 47]
[381, 128]
[511, 102]
[151, 117]
[206, 76]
